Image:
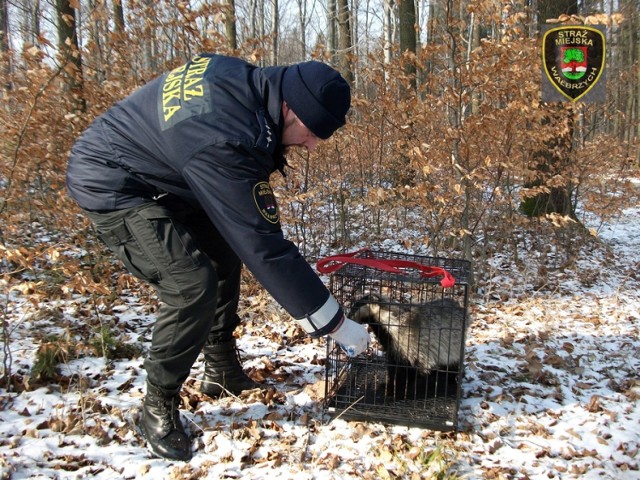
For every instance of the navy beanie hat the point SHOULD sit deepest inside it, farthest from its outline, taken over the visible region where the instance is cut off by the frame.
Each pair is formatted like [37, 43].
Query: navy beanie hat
[318, 95]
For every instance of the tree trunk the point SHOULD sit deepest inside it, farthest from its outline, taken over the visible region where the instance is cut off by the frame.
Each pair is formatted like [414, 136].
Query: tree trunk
[632, 88]
[230, 24]
[118, 17]
[256, 22]
[302, 16]
[69, 52]
[150, 47]
[388, 30]
[118, 35]
[5, 51]
[355, 41]
[253, 25]
[408, 42]
[474, 42]
[94, 25]
[548, 9]
[344, 25]
[430, 36]
[553, 161]
[31, 22]
[636, 115]
[332, 27]
[275, 25]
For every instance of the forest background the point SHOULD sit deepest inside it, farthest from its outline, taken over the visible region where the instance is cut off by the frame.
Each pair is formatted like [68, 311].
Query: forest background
[448, 145]
[447, 121]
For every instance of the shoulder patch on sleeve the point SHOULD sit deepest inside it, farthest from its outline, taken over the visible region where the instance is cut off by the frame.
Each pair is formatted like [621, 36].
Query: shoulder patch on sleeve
[266, 202]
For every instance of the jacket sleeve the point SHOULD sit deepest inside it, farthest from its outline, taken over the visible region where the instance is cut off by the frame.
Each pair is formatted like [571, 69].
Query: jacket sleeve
[231, 183]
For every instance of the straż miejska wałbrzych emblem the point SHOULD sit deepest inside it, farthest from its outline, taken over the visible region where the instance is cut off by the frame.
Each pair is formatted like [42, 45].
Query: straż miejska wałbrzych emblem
[573, 57]
[266, 202]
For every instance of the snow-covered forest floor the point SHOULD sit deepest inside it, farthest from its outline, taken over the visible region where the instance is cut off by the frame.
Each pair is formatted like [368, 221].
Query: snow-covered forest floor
[551, 388]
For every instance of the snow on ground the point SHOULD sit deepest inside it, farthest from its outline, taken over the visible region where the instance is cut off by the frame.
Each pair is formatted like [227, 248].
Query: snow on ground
[552, 382]
[551, 390]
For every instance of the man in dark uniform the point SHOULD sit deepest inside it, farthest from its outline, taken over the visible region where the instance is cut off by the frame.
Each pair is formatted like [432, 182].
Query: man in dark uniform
[176, 179]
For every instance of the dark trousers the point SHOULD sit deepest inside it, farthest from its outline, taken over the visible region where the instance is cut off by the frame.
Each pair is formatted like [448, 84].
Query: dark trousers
[195, 273]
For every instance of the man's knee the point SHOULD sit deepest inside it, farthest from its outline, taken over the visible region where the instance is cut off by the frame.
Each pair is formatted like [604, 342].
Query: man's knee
[195, 289]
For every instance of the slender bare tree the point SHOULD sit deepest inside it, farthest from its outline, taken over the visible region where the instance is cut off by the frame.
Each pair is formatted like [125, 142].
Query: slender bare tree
[230, 24]
[275, 25]
[302, 18]
[5, 51]
[118, 16]
[345, 40]
[389, 29]
[69, 53]
[408, 35]
[332, 29]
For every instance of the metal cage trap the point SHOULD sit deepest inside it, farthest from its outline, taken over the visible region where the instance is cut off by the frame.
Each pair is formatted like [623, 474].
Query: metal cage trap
[411, 373]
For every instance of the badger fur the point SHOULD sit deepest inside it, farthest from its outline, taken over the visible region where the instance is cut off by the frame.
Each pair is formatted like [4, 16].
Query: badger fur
[424, 336]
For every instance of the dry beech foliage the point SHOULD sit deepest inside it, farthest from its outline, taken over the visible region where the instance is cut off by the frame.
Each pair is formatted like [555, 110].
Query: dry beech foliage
[442, 170]
[439, 171]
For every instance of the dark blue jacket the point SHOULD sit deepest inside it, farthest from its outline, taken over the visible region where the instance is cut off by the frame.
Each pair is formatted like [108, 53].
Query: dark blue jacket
[208, 132]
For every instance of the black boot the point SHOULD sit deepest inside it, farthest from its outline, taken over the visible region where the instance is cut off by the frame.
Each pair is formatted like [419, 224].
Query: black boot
[223, 370]
[161, 424]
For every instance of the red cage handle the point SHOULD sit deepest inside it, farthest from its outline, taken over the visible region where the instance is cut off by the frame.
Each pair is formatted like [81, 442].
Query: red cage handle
[334, 262]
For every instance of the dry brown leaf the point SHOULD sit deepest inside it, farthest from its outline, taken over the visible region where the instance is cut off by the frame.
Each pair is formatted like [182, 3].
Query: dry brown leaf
[583, 385]
[555, 360]
[385, 454]
[383, 473]
[573, 433]
[332, 461]
[273, 416]
[359, 430]
[594, 404]
[315, 390]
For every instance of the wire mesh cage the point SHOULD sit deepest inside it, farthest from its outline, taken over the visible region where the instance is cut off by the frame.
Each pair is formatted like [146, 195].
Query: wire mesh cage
[411, 373]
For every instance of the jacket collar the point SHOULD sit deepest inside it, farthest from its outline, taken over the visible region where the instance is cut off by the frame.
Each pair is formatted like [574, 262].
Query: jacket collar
[268, 87]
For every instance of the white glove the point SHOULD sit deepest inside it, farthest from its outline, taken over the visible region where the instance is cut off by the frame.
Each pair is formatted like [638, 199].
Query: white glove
[352, 337]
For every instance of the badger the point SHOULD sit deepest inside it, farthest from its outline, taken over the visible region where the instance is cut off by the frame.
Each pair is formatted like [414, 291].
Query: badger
[424, 336]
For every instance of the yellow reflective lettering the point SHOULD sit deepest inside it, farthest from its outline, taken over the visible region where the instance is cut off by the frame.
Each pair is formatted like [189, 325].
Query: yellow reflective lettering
[169, 111]
[196, 91]
[171, 84]
[201, 61]
[170, 95]
[196, 70]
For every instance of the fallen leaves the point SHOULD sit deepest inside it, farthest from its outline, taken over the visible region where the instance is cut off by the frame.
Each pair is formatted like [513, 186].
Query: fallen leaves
[549, 379]
[594, 404]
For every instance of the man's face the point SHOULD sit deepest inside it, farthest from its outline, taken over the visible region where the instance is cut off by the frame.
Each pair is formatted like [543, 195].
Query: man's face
[295, 133]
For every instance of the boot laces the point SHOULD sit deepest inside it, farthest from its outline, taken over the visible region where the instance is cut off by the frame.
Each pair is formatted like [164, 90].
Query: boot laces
[169, 410]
